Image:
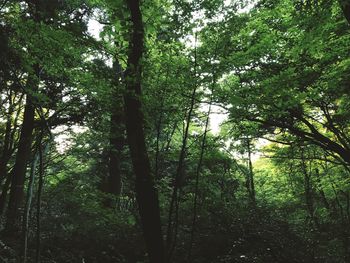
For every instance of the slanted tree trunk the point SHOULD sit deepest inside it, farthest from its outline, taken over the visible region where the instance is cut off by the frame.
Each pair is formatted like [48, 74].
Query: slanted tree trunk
[198, 172]
[172, 228]
[22, 157]
[146, 194]
[321, 192]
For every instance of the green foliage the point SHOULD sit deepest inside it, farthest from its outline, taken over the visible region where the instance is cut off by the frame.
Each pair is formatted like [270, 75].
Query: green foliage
[279, 70]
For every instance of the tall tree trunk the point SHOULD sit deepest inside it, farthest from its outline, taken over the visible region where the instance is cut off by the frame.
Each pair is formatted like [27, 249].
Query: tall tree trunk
[22, 157]
[7, 142]
[174, 202]
[251, 184]
[4, 193]
[8, 150]
[146, 194]
[309, 193]
[159, 125]
[113, 181]
[27, 209]
[159, 130]
[322, 193]
[38, 204]
[116, 145]
[196, 190]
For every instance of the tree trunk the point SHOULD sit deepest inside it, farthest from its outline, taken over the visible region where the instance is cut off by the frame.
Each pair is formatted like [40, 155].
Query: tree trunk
[146, 194]
[7, 143]
[113, 182]
[174, 202]
[38, 204]
[198, 171]
[309, 193]
[27, 210]
[251, 184]
[4, 193]
[116, 145]
[20, 167]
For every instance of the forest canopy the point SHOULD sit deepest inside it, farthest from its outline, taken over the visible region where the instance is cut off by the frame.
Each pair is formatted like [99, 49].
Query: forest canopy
[171, 131]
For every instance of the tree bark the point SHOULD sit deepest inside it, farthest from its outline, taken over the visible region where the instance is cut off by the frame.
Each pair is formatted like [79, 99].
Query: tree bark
[198, 171]
[174, 202]
[309, 193]
[22, 157]
[27, 208]
[146, 194]
[116, 146]
[6, 155]
[113, 182]
[251, 184]
[7, 142]
[39, 194]
[4, 193]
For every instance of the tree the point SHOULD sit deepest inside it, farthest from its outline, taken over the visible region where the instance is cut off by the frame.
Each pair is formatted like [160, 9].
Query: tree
[265, 60]
[146, 193]
[271, 186]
